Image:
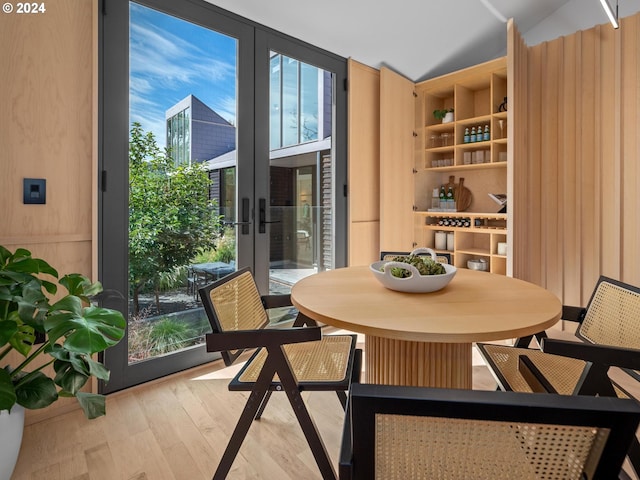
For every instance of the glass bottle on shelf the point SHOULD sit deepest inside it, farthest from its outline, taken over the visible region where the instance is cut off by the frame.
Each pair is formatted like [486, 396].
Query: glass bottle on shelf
[472, 137]
[466, 137]
[479, 134]
[487, 135]
[443, 197]
[451, 203]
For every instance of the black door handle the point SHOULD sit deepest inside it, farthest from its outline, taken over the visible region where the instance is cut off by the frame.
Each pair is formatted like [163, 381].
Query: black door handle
[245, 217]
[262, 216]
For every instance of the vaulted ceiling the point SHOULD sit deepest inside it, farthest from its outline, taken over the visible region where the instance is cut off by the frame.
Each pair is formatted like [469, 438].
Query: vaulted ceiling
[418, 38]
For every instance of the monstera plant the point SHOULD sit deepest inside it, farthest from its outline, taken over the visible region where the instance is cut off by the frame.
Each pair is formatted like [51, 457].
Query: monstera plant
[67, 332]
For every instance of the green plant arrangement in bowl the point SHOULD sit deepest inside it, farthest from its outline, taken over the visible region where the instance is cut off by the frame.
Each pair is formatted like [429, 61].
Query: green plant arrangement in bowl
[68, 332]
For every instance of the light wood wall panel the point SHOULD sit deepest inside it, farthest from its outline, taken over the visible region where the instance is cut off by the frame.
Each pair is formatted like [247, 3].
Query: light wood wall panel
[517, 91]
[47, 130]
[583, 181]
[397, 156]
[629, 154]
[364, 164]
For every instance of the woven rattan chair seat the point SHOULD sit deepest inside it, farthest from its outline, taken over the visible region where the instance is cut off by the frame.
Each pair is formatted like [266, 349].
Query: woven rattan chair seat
[562, 372]
[323, 361]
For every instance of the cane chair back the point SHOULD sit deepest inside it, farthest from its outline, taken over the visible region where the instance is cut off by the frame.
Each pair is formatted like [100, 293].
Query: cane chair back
[236, 305]
[408, 432]
[612, 316]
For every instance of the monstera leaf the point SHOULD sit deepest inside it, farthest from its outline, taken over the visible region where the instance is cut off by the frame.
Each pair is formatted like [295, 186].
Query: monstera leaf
[68, 332]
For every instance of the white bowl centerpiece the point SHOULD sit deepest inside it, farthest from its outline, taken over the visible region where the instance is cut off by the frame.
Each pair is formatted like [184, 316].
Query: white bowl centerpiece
[414, 273]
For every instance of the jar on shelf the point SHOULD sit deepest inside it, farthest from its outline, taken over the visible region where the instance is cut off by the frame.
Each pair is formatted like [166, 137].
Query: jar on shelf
[450, 238]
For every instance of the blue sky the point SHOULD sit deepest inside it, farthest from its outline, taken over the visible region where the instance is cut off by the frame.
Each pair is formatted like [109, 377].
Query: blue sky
[169, 59]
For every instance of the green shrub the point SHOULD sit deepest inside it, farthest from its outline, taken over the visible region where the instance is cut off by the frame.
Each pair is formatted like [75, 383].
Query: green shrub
[168, 335]
[223, 251]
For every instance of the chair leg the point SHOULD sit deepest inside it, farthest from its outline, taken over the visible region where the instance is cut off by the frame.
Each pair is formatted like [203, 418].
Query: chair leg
[634, 456]
[343, 398]
[255, 400]
[595, 381]
[263, 405]
[303, 321]
[523, 342]
[306, 422]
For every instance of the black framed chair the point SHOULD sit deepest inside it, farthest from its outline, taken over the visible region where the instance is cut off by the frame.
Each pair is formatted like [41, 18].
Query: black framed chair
[286, 359]
[609, 330]
[394, 432]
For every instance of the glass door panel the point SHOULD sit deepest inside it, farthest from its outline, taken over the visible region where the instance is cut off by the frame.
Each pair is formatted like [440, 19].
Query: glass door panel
[301, 165]
[182, 146]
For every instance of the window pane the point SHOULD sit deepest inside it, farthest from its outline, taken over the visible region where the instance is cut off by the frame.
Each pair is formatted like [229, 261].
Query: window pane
[186, 153]
[275, 103]
[308, 103]
[182, 89]
[290, 117]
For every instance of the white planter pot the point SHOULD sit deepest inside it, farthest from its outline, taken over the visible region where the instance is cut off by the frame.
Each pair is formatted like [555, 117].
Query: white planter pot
[11, 428]
[448, 117]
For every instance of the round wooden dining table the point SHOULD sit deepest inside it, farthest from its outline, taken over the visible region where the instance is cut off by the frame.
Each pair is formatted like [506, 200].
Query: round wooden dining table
[425, 339]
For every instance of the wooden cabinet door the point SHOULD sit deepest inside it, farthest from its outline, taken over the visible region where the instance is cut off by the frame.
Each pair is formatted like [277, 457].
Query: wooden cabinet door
[397, 153]
[364, 164]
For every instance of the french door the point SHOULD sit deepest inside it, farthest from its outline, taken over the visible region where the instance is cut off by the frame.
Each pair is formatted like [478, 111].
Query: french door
[221, 146]
[302, 157]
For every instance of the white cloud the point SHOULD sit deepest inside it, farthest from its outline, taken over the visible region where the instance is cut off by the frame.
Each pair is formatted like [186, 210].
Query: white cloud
[165, 68]
[227, 109]
[170, 59]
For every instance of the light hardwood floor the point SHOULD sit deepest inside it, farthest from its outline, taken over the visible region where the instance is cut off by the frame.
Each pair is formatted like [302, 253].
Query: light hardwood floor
[177, 428]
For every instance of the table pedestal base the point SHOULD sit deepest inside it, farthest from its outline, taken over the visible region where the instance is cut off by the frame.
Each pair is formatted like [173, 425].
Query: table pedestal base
[422, 364]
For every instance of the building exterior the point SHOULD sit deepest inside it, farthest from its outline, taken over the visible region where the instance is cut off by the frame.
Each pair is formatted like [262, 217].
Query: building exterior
[196, 133]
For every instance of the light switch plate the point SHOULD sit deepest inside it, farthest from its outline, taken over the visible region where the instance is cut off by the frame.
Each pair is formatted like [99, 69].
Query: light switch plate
[34, 191]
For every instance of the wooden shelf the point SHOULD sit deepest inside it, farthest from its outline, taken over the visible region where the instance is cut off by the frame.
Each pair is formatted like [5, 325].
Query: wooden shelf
[474, 251]
[472, 166]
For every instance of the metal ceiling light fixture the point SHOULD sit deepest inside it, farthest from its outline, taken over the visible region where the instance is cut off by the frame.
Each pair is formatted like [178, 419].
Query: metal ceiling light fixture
[613, 17]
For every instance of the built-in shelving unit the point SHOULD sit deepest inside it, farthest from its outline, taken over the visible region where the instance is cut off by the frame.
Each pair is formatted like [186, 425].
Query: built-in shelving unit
[478, 98]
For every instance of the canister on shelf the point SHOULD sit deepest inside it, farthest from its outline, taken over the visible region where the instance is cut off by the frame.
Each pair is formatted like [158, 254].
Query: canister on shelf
[450, 241]
[441, 240]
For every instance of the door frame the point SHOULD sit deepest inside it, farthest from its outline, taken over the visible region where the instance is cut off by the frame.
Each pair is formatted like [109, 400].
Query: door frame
[113, 138]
